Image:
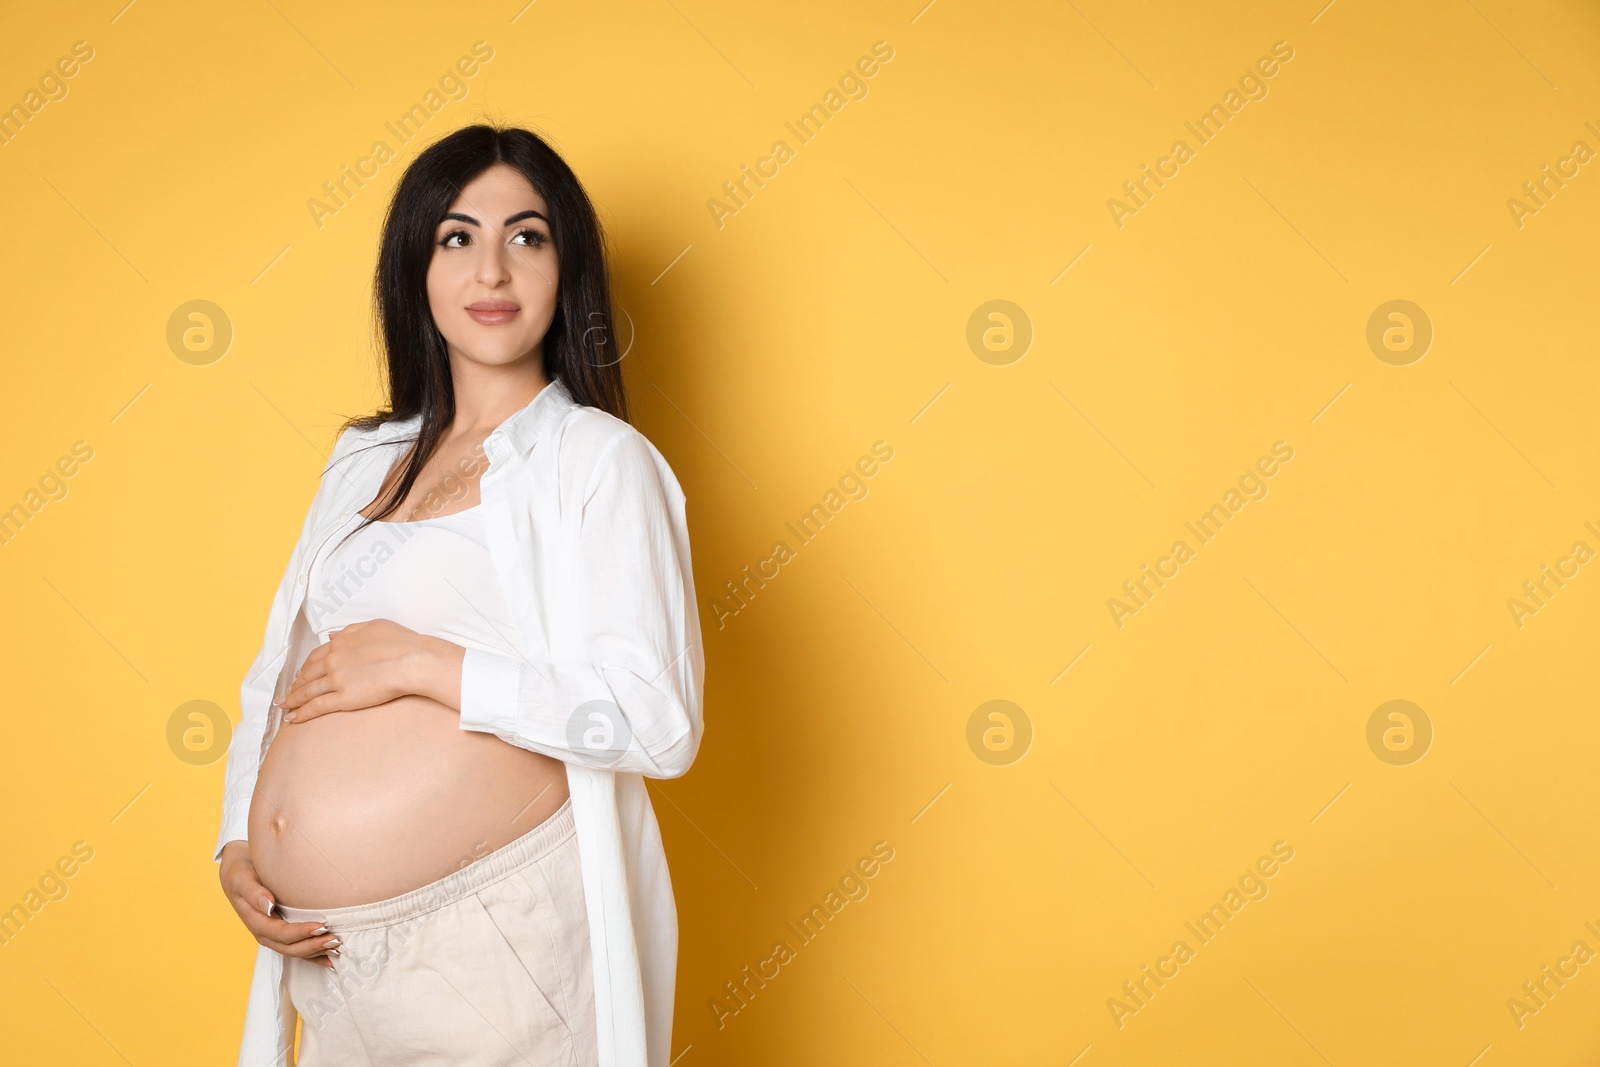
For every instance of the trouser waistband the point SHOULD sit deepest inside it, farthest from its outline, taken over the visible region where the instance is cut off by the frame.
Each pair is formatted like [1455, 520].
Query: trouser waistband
[470, 879]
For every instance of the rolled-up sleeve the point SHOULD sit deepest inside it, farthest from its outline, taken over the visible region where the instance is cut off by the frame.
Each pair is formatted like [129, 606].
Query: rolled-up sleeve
[255, 694]
[244, 752]
[632, 702]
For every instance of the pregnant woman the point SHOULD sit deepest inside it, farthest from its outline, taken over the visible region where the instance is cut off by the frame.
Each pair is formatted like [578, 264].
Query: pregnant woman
[435, 821]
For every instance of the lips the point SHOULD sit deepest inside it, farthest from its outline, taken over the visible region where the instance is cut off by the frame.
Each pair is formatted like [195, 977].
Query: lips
[492, 312]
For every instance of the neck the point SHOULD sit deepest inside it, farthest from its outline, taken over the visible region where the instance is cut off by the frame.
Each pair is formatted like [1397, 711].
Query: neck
[485, 395]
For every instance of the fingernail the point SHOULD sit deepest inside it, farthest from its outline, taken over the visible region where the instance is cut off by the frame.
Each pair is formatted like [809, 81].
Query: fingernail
[319, 930]
[334, 944]
[266, 905]
[289, 717]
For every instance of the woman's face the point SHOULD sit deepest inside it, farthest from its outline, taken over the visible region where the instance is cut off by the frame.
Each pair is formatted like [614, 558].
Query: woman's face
[492, 278]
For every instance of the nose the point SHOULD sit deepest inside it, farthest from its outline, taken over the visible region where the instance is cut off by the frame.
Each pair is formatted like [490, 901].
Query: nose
[494, 263]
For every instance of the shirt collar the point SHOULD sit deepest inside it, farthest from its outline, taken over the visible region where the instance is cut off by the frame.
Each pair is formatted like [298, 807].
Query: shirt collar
[522, 428]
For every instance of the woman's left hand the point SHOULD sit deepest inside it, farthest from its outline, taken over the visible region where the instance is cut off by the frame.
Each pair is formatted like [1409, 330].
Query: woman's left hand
[365, 664]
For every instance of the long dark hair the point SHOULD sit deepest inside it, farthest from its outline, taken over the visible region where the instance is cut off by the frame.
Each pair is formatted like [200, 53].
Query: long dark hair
[579, 347]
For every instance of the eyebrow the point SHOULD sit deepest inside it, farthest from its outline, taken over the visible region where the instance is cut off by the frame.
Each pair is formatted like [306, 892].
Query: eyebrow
[518, 217]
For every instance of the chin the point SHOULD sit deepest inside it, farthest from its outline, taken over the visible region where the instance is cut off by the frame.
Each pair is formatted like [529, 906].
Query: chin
[496, 356]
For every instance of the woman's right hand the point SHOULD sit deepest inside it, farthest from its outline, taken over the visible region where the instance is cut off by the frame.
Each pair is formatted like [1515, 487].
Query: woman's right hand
[253, 901]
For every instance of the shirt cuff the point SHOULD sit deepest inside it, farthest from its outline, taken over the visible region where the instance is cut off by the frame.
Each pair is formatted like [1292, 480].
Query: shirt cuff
[542, 707]
[489, 688]
[235, 827]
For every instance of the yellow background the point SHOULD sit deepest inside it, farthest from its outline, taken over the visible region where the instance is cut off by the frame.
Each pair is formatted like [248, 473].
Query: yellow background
[829, 313]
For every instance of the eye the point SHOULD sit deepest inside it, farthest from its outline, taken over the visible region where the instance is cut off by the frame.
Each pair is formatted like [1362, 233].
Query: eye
[534, 238]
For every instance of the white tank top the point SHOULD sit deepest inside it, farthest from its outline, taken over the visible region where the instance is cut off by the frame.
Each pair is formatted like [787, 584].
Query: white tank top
[434, 576]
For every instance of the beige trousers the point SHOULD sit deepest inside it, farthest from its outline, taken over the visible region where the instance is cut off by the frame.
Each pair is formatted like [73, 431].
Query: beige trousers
[488, 965]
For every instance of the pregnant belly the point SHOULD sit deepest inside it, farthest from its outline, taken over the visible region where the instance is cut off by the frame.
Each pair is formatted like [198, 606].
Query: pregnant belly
[359, 806]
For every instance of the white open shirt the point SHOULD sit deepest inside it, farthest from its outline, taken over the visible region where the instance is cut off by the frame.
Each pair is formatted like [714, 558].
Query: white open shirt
[588, 536]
